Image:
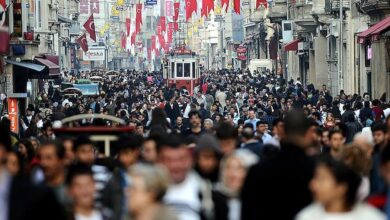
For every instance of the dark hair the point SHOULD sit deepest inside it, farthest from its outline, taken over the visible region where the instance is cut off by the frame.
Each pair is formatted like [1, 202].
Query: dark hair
[58, 146]
[375, 102]
[129, 142]
[171, 141]
[226, 131]
[343, 174]
[29, 149]
[276, 121]
[46, 125]
[378, 126]
[336, 131]
[159, 118]
[248, 131]
[296, 123]
[82, 140]
[192, 113]
[77, 169]
[261, 123]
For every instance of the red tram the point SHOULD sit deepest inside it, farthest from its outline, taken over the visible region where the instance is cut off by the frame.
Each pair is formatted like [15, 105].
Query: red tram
[181, 67]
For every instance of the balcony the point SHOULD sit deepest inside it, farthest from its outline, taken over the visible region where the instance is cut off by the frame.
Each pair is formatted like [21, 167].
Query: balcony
[278, 12]
[333, 6]
[374, 6]
[31, 49]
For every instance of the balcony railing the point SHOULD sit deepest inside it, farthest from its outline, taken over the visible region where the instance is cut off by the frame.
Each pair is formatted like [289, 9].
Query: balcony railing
[332, 6]
[373, 6]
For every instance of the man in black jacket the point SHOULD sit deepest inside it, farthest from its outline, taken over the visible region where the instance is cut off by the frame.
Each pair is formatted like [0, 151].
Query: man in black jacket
[281, 183]
[172, 110]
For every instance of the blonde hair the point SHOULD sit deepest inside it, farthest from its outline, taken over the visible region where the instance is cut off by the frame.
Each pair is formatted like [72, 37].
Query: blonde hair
[156, 178]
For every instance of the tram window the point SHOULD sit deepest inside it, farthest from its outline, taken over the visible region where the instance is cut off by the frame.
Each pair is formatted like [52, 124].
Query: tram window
[187, 70]
[193, 70]
[172, 70]
[179, 70]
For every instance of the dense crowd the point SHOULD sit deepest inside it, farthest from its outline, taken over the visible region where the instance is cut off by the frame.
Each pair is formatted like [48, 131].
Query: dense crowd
[240, 146]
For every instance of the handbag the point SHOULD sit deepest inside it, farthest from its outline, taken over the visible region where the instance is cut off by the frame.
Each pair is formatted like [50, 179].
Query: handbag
[18, 49]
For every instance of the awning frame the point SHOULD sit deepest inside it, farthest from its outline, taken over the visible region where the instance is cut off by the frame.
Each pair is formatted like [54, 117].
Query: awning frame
[292, 45]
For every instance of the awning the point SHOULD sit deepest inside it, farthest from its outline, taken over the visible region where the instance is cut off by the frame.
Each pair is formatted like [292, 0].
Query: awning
[28, 70]
[53, 69]
[31, 66]
[291, 46]
[374, 31]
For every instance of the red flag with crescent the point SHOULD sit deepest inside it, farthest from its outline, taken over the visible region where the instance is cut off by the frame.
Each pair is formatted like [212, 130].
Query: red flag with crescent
[237, 6]
[82, 40]
[176, 7]
[261, 2]
[138, 18]
[133, 35]
[225, 2]
[128, 23]
[175, 26]
[89, 26]
[170, 33]
[153, 42]
[123, 40]
[163, 23]
[191, 7]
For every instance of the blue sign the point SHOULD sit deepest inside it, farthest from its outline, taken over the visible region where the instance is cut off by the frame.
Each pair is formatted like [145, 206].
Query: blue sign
[88, 89]
[151, 2]
[115, 18]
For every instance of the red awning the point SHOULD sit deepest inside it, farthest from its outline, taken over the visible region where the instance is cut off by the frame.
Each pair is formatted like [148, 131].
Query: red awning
[291, 46]
[54, 69]
[374, 31]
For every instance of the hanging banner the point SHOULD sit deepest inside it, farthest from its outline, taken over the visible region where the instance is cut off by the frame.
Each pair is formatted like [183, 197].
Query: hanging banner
[13, 114]
[169, 8]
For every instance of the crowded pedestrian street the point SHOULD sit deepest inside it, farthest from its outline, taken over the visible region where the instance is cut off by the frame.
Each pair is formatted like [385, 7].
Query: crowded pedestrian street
[194, 110]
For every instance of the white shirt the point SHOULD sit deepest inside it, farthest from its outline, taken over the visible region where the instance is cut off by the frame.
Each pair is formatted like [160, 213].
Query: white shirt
[387, 112]
[184, 198]
[95, 215]
[360, 212]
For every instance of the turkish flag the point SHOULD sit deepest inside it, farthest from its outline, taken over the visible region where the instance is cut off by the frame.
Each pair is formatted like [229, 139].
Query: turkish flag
[123, 40]
[153, 42]
[237, 6]
[133, 38]
[203, 10]
[170, 33]
[160, 37]
[225, 2]
[89, 26]
[210, 6]
[261, 2]
[175, 26]
[163, 23]
[128, 22]
[157, 53]
[176, 7]
[138, 18]
[82, 40]
[191, 7]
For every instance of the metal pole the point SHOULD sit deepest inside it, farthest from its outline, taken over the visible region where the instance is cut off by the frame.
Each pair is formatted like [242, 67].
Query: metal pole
[341, 46]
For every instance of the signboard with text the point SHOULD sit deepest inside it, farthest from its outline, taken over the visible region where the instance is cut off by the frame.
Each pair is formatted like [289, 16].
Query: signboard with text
[151, 2]
[94, 54]
[13, 114]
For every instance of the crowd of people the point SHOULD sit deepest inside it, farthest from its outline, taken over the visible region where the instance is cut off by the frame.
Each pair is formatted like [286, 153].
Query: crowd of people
[240, 146]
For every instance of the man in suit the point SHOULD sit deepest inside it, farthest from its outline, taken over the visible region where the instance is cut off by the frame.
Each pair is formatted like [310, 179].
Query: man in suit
[172, 110]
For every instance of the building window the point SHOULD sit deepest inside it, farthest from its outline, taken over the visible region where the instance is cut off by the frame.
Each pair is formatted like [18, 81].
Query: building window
[187, 70]
[179, 70]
